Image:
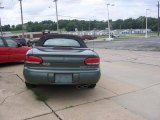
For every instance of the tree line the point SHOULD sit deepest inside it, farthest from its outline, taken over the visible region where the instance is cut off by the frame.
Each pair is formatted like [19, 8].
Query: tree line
[71, 25]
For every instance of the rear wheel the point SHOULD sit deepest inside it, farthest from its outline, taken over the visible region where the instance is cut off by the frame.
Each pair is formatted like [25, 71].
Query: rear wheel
[92, 86]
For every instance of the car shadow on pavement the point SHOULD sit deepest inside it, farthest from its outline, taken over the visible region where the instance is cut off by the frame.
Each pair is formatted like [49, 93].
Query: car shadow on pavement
[61, 97]
[45, 92]
[10, 64]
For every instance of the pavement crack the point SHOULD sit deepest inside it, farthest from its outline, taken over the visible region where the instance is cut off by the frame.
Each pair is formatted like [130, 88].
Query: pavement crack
[19, 78]
[37, 116]
[53, 111]
[6, 72]
[150, 86]
[78, 105]
[137, 90]
[141, 63]
[108, 90]
[11, 96]
[3, 101]
[105, 98]
[108, 98]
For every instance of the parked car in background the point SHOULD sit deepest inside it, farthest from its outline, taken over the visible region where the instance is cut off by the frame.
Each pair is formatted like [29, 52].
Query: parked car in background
[44, 32]
[88, 37]
[22, 41]
[114, 36]
[11, 50]
[32, 42]
[61, 60]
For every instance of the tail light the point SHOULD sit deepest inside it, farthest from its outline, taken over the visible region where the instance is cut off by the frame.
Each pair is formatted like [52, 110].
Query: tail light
[92, 61]
[33, 60]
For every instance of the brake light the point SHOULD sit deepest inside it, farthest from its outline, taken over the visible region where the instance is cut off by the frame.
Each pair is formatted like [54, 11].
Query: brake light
[33, 60]
[92, 61]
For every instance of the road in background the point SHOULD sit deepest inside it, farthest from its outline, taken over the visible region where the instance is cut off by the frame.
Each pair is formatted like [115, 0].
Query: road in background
[142, 44]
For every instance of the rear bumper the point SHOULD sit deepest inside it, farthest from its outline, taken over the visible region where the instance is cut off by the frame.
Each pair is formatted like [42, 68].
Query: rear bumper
[38, 77]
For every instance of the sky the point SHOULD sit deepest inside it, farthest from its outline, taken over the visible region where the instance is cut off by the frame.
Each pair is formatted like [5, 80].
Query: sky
[39, 10]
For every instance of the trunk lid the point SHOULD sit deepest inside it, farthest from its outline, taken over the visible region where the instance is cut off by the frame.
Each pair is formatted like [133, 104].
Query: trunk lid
[63, 58]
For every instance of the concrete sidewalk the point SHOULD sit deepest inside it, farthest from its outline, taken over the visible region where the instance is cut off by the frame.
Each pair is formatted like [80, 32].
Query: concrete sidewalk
[130, 82]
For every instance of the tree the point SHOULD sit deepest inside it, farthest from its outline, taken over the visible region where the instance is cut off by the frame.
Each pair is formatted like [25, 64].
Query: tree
[6, 28]
[70, 25]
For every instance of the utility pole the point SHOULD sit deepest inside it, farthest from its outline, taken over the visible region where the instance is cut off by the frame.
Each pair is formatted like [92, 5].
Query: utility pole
[22, 18]
[57, 15]
[109, 30]
[108, 22]
[146, 36]
[89, 28]
[90, 20]
[1, 22]
[158, 19]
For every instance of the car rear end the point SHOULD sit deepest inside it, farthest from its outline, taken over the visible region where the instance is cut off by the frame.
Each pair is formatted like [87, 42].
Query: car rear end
[62, 66]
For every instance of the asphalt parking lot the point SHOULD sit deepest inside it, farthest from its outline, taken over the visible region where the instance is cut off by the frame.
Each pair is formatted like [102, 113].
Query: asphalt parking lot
[129, 89]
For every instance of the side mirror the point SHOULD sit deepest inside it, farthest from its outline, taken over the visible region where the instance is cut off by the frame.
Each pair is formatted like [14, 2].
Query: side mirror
[19, 45]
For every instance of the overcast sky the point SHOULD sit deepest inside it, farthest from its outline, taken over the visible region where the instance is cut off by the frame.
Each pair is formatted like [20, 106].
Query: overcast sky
[39, 10]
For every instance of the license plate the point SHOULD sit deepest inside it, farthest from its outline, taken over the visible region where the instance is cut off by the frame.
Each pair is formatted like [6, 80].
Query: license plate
[63, 78]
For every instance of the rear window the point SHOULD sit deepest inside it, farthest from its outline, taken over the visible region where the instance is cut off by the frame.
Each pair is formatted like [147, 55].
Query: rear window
[61, 42]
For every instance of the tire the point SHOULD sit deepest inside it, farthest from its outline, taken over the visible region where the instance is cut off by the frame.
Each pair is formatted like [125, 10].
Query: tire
[92, 86]
[30, 86]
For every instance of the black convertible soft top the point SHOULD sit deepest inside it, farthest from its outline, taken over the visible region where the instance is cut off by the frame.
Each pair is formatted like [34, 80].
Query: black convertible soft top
[41, 41]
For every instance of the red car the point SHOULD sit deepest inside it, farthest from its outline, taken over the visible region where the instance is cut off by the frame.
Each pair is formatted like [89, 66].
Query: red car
[11, 51]
[88, 37]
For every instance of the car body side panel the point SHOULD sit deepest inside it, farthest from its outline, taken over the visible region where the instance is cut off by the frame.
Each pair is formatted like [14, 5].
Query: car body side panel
[17, 53]
[12, 53]
[4, 54]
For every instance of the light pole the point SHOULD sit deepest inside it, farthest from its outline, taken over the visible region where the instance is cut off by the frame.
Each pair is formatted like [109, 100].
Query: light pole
[90, 22]
[56, 14]
[109, 31]
[22, 18]
[1, 23]
[146, 36]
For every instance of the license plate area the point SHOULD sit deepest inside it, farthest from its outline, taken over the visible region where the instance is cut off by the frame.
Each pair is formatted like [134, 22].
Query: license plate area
[63, 78]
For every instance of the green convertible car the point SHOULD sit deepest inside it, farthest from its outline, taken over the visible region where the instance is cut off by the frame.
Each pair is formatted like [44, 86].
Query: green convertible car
[60, 59]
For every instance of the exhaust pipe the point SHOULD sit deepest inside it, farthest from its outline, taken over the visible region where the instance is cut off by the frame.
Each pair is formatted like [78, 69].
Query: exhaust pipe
[82, 86]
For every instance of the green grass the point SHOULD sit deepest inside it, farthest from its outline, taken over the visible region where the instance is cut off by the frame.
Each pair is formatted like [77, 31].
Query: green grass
[130, 36]
[157, 49]
[16, 32]
[38, 95]
[135, 36]
[121, 37]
